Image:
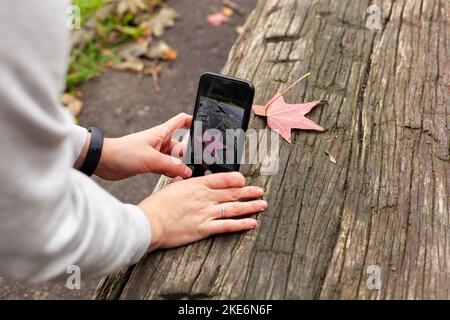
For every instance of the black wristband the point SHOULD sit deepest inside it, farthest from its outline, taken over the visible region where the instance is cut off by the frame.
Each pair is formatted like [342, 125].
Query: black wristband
[94, 152]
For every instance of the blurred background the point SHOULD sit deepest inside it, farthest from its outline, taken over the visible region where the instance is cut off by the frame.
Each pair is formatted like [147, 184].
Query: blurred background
[134, 64]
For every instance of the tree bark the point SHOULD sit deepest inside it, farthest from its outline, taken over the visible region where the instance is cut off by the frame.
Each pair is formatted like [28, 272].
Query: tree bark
[385, 203]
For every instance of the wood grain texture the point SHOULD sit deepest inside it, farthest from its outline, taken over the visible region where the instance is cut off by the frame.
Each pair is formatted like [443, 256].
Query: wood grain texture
[386, 200]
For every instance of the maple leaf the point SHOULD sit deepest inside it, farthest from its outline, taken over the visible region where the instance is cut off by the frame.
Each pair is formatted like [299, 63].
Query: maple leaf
[283, 116]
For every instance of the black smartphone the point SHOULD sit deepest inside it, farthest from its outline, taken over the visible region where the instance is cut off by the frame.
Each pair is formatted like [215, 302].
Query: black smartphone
[221, 115]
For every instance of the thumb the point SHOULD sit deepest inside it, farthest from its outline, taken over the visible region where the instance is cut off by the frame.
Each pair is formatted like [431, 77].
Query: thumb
[171, 166]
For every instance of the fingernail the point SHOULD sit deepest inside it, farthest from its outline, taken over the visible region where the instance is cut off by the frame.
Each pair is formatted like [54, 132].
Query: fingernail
[238, 174]
[253, 223]
[187, 172]
[263, 205]
[260, 191]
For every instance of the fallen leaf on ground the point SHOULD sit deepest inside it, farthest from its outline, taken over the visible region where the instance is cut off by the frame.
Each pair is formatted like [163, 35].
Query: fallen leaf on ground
[107, 52]
[240, 29]
[77, 94]
[73, 104]
[227, 11]
[87, 33]
[134, 50]
[157, 24]
[161, 50]
[332, 159]
[282, 116]
[132, 6]
[134, 65]
[232, 5]
[217, 19]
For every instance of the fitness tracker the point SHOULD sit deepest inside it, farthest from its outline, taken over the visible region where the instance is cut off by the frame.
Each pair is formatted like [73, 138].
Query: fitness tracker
[94, 151]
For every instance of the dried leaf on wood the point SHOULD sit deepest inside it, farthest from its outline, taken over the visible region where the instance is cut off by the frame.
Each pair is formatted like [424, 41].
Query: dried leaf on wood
[330, 156]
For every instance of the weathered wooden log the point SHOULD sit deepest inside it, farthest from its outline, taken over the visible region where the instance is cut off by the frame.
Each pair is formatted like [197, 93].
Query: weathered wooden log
[385, 203]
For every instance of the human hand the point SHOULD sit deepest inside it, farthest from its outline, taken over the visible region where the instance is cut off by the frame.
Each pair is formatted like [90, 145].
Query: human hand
[144, 152]
[190, 210]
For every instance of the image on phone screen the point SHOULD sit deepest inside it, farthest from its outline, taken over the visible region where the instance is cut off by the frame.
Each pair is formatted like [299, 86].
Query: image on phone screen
[220, 118]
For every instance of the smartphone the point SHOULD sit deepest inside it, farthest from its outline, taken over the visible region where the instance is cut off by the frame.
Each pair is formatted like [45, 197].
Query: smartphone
[221, 115]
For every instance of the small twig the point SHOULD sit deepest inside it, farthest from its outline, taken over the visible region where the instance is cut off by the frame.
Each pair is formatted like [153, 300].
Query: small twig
[286, 90]
[154, 72]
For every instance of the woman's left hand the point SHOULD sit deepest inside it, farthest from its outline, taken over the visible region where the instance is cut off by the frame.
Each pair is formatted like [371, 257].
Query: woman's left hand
[144, 152]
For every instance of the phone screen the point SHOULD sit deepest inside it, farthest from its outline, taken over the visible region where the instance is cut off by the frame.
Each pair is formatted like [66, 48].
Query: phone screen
[220, 119]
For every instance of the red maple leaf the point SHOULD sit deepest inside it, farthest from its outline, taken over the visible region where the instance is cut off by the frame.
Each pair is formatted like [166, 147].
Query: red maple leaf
[282, 116]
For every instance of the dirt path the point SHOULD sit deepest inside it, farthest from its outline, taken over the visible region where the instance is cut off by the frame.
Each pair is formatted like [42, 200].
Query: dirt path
[122, 103]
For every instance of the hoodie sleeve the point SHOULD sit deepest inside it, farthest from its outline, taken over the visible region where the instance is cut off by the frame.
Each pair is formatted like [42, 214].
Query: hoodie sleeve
[51, 216]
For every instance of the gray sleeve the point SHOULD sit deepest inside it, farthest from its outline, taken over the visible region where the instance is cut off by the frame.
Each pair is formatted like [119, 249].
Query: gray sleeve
[78, 137]
[51, 216]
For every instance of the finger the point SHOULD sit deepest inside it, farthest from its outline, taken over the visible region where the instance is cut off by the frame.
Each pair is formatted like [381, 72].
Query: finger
[230, 225]
[181, 120]
[176, 179]
[223, 180]
[171, 166]
[176, 148]
[235, 194]
[235, 209]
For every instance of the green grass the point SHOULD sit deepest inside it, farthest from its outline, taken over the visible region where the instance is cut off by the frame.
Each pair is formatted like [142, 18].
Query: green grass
[110, 33]
[87, 64]
[87, 8]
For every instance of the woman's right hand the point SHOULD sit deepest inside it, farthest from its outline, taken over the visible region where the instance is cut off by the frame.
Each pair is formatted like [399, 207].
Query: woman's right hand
[190, 210]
